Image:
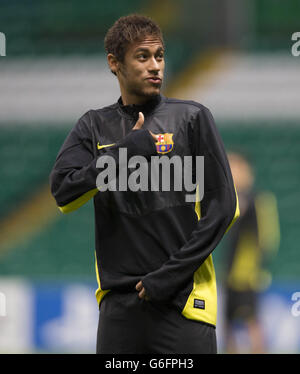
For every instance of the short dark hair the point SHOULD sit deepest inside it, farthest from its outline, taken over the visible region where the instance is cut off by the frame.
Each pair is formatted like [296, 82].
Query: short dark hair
[127, 30]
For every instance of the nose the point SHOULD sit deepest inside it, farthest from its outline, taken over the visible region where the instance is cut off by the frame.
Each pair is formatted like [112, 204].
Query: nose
[154, 65]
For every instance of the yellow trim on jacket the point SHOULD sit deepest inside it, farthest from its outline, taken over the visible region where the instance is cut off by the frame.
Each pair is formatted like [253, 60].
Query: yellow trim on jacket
[73, 205]
[204, 284]
[99, 292]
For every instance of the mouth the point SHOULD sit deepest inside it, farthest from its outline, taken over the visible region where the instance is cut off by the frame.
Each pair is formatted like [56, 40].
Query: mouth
[154, 80]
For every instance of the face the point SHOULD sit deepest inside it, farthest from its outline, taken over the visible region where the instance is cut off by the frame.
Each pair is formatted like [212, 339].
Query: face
[241, 173]
[140, 75]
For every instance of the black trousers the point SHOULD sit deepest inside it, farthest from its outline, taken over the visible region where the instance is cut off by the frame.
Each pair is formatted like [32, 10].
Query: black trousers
[129, 325]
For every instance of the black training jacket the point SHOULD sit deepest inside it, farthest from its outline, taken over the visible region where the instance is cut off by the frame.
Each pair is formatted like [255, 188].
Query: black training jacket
[156, 236]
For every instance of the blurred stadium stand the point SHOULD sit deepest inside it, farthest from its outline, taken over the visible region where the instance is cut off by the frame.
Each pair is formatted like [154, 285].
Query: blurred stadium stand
[232, 56]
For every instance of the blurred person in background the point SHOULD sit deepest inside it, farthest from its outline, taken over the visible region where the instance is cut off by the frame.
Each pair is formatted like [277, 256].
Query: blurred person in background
[251, 244]
[157, 287]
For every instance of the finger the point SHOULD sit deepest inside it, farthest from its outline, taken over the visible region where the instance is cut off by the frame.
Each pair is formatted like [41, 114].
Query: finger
[139, 286]
[155, 137]
[139, 122]
[142, 293]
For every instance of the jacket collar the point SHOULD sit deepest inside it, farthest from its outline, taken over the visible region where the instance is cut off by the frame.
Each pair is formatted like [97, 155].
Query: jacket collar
[133, 110]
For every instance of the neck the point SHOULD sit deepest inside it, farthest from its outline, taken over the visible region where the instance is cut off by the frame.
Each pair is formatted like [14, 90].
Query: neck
[134, 100]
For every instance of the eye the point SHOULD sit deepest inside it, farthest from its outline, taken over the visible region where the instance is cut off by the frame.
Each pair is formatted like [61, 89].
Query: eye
[160, 56]
[141, 56]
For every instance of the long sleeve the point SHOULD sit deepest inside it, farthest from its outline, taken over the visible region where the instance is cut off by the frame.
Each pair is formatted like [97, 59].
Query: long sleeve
[219, 209]
[73, 177]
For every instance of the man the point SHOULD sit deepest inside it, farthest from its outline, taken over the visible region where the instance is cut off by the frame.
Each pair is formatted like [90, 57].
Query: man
[157, 290]
[252, 242]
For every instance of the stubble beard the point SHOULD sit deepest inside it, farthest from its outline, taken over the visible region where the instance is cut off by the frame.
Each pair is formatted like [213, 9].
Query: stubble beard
[139, 90]
[145, 92]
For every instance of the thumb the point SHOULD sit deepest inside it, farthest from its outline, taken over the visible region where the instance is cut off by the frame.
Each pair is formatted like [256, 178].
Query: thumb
[154, 136]
[139, 122]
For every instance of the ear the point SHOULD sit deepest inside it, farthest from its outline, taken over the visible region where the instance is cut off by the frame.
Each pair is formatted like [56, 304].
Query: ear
[113, 63]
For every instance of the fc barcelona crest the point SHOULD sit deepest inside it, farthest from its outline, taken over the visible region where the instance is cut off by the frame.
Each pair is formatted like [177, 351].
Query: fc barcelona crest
[164, 143]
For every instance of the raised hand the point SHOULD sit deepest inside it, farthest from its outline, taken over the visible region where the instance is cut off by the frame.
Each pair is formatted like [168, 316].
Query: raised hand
[139, 124]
